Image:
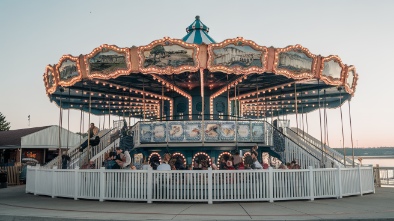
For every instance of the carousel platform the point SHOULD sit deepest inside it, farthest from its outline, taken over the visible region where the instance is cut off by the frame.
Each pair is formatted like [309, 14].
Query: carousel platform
[16, 205]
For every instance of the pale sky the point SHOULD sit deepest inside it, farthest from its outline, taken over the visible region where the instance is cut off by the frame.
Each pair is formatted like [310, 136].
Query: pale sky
[36, 33]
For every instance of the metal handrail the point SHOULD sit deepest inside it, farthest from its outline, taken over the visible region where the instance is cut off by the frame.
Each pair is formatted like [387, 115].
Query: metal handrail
[79, 158]
[302, 141]
[290, 139]
[73, 152]
[316, 143]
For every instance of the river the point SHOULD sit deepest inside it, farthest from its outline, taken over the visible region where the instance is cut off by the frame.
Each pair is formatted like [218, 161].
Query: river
[383, 161]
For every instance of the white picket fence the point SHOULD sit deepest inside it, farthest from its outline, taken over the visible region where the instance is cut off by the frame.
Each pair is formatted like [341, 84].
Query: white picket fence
[200, 185]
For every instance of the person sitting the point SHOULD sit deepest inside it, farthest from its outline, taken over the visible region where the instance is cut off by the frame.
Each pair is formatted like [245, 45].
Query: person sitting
[165, 165]
[256, 164]
[223, 164]
[296, 166]
[282, 166]
[109, 162]
[90, 165]
[120, 158]
[254, 150]
[127, 159]
[248, 163]
[145, 165]
[132, 167]
[241, 166]
[93, 138]
[237, 160]
[229, 164]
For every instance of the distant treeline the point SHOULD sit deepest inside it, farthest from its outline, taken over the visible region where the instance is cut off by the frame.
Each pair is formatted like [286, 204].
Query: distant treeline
[370, 151]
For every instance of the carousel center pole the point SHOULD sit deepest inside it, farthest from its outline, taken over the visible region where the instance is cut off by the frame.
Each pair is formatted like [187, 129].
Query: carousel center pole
[202, 105]
[343, 133]
[60, 126]
[143, 97]
[296, 104]
[90, 109]
[321, 133]
[351, 133]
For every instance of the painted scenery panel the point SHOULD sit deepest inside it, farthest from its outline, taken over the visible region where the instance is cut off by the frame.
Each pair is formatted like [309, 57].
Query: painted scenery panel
[296, 61]
[227, 131]
[51, 80]
[243, 132]
[168, 55]
[212, 131]
[146, 132]
[159, 132]
[68, 70]
[176, 131]
[235, 55]
[193, 131]
[107, 61]
[332, 69]
[258, 132]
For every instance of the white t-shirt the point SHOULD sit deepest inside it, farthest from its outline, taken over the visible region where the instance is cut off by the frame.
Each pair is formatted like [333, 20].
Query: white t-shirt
[164, 166]
[257, 165]
[145, 166]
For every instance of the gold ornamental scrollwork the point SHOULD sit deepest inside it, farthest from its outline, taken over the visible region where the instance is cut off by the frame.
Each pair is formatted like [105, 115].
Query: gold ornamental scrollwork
[328, 69]
[50, 79]
[68, 71]
[351, 80]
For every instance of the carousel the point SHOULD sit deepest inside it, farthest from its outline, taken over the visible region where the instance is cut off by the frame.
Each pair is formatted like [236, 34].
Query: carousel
[200, 100]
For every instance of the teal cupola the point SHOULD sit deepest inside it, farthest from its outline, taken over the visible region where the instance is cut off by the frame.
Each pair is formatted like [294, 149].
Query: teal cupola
[197, 33]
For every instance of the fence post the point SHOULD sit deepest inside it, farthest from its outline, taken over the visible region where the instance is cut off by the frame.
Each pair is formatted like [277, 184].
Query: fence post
[28, 167]
[76, 187]
[311, 187]
[373, 184]
[377, 176]
[360, 180]
[102, 184]
[149, 185]
[339, 184]
[53, 181]
[271, 184]
[36, 179]
[210, 185]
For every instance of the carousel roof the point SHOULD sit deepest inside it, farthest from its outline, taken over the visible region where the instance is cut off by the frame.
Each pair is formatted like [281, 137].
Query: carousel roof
[139, 81]
[197, 33]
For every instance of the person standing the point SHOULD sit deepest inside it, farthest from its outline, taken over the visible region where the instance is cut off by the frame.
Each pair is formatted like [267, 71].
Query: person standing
[65, 160]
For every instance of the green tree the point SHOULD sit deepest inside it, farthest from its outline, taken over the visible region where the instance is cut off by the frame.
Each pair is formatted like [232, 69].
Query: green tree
[4, 125]
[158, 50]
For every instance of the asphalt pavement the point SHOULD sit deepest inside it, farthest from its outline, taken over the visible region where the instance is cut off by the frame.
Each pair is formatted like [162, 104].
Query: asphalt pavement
[16, 205]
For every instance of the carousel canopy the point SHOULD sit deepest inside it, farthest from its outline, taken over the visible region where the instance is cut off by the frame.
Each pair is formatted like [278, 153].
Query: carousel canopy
[197, 33]
[170, 78]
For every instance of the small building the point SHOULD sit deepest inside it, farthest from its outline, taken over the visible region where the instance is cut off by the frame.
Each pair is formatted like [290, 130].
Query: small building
[40, 143]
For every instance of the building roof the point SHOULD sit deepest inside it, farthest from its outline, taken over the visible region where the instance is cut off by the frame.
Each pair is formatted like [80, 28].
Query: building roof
[197, 33]
[13, 137]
